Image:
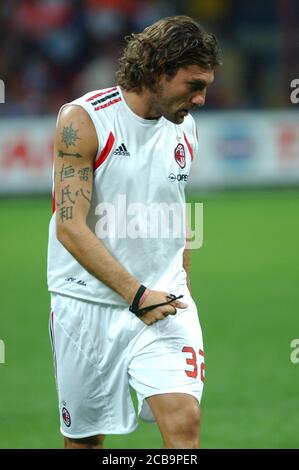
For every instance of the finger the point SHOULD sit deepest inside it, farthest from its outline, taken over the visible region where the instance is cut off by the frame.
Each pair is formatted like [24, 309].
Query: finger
[171, 312]
[179, 304]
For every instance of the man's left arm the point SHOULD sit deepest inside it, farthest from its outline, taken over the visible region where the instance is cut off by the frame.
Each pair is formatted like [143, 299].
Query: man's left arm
[186, 254]
[186, 264]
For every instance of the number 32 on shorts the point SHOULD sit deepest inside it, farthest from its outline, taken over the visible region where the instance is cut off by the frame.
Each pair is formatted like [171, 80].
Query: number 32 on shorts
[193, 361]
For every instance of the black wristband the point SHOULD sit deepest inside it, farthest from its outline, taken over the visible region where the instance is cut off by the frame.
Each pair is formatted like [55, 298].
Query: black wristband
[141, 311]
[135, 304]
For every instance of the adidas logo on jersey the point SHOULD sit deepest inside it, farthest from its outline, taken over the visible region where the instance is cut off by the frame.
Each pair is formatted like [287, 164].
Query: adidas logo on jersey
[122, 150]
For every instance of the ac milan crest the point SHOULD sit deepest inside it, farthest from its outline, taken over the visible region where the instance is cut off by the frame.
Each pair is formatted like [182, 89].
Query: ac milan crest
[179, 155]
[66, 417]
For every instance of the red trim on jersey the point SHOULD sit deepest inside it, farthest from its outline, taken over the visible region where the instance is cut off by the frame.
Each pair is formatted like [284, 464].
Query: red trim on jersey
[53, 203]
[51, 328]
[101, 94]
[116, 100]
[189, 146]
[105, 152]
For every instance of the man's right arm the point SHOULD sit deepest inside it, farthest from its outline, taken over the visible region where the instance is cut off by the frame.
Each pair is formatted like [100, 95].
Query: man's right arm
[75, 150]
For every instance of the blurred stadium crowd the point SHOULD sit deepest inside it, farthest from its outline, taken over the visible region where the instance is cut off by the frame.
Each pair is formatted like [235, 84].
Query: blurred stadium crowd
[55, 50]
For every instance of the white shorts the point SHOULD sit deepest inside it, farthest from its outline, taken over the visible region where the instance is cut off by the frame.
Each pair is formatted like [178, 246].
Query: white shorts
[101, 350]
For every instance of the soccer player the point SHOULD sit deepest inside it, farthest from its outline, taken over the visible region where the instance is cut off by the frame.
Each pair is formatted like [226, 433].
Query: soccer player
[122, 314]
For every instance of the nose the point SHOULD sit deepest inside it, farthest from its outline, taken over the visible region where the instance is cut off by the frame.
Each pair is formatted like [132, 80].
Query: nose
[200, 98]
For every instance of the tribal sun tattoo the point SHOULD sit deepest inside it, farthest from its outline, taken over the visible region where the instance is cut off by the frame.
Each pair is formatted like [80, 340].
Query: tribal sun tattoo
[69, 135]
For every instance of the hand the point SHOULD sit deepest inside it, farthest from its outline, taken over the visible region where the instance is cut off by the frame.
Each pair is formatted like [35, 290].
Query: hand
[159, 313]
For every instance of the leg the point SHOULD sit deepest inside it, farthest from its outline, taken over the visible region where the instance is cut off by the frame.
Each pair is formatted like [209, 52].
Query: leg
[91, 374]
[177, 415]
[93, 442]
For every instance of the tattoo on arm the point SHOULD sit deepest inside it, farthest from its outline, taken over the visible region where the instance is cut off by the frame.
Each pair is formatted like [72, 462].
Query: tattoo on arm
[65, 213]
[69, 135]
[66, 196]
[62, 154]
[68, 200]
[84, 173]
[84, 193]
[66, 172]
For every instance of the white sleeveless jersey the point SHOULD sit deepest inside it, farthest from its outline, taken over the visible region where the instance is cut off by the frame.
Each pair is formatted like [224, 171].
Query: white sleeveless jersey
[139, 177]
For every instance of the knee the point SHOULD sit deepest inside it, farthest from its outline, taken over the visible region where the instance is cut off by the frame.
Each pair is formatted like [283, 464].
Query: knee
[92, 442]
[182, 429]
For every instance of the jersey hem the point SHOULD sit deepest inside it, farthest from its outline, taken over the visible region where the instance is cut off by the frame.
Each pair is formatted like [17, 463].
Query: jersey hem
[86, 298]
[94, 433]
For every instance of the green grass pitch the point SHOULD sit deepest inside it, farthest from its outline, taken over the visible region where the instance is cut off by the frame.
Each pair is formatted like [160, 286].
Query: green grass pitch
[245, 282]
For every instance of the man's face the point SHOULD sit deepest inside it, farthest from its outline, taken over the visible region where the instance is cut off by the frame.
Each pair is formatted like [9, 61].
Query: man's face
[175, 96]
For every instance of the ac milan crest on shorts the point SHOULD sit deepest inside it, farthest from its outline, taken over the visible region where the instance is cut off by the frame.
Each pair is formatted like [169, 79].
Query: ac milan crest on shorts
[66, 417]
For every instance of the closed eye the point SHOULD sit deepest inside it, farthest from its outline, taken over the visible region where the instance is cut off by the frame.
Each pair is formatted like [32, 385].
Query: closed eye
[197, 86]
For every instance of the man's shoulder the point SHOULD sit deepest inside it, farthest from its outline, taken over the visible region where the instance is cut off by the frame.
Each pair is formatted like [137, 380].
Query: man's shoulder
[189, 123]
[98, 98]
[96, 103]
[190, 120]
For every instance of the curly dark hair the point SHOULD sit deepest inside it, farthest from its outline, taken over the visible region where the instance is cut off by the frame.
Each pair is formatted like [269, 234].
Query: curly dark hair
[163, 48]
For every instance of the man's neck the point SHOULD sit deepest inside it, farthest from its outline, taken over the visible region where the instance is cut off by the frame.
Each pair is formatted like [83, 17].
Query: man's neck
[141, 103]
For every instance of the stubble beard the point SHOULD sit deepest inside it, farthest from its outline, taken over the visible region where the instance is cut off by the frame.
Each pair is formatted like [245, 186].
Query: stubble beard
[162, 108]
